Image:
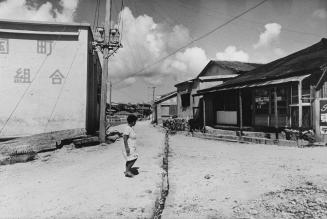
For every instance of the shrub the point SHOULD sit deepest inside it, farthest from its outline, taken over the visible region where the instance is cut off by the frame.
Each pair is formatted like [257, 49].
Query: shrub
[176, 124]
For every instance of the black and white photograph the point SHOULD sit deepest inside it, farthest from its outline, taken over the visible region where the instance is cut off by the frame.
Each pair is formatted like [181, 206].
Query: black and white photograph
[163, 109]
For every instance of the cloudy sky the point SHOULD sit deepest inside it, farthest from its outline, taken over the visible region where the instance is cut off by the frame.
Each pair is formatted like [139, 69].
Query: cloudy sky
[153, 29]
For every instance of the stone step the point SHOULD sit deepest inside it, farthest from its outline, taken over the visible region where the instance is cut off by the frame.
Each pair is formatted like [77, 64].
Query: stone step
[250, 139]
[219, 131]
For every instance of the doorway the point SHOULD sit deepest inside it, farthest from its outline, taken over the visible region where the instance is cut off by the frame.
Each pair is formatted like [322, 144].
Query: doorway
[247, 107]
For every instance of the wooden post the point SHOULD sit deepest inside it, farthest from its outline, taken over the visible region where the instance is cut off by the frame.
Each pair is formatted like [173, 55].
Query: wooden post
[204, 112]
[276, 111]
[316, 104]
[253, 107]
[153, 105]
[104, 78]
[290, 108]
[275, 106]
[240, 109]
[269, 107]
[313, 107]
[300, 102]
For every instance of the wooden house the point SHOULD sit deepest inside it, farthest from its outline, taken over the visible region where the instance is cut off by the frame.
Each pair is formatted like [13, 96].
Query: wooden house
[290, 92]
[189, 104]
[165, 107]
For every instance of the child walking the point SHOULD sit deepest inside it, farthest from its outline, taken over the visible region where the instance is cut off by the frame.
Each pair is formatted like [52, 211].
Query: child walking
[129, 151]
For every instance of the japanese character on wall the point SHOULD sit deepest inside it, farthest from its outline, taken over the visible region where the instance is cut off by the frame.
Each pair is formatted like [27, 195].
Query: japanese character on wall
[4, 46]
[44, 47]
[56, 77]
[23, 76]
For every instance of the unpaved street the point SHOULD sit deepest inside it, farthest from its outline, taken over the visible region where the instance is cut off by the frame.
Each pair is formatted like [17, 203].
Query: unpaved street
[207, 179]
[213, 179]
[84, 183]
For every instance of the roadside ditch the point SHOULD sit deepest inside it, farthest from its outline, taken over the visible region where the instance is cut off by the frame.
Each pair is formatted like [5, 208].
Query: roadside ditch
[164, 188]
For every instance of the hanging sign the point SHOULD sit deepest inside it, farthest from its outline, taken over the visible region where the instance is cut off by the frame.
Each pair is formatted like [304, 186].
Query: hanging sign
[323, 117]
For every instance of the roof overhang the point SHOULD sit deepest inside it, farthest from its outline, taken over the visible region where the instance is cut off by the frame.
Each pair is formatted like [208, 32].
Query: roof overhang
[45, 23]
[216, 77]
[184, 82]
[257, 84]
[172, 95]
[39, 32]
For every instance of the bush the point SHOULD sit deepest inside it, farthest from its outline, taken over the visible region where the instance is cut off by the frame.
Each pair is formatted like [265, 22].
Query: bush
[176, 124]
[293, 134]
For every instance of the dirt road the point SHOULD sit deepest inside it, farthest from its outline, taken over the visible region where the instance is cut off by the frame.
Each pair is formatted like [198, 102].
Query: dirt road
[84, 183]
[212, 179]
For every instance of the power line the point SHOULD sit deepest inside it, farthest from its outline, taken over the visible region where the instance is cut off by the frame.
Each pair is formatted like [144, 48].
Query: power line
[200, 37]
[219, 13]
[96, 15]
[121, 21]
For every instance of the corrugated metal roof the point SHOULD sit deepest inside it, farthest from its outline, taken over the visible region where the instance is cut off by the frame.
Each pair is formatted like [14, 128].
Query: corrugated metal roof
[216, 77]
[237, 67]
[302, 62]
[166, 97]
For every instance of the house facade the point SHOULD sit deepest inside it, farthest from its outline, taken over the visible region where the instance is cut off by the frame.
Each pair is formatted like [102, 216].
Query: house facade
[189, 103]
[50, 78]
[165, 107]
[287, 93]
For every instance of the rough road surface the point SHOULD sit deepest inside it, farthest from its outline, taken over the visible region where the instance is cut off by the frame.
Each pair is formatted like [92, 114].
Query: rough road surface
[85, 183]
[213, 179]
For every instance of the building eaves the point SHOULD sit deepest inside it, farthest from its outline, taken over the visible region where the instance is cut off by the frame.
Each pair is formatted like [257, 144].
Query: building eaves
[185, 82]
[45, 23]
[302, 62]
[166, 97]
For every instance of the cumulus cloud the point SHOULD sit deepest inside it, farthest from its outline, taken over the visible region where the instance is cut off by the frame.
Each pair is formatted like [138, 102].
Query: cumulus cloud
[232, 54]
[271, 33]
[145, 42]
[130, 81]
[279, 52]
[320, 13]
[25, 10]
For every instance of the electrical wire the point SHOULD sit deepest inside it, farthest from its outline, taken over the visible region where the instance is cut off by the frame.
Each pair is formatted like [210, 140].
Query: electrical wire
[96, 15]
[110, 17]
[200, 37]
[122, 21]
[223, 14]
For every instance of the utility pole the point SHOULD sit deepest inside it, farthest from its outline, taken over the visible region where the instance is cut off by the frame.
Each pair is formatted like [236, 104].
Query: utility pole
[110, 97]
[153, 92]
[110, 102]
[104, 78]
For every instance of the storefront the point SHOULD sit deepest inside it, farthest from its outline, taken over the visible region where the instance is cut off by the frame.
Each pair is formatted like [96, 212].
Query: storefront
[282, 94]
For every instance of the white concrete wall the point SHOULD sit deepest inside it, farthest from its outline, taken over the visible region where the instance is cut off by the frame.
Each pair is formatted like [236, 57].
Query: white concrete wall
[36, 101]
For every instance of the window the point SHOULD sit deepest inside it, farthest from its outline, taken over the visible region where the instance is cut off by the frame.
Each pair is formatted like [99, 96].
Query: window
[306, 94]
[185, 100]
[295, 94]
[262, 98]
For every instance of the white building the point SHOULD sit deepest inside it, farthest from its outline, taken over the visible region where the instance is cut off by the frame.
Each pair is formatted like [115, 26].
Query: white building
[50, 78]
